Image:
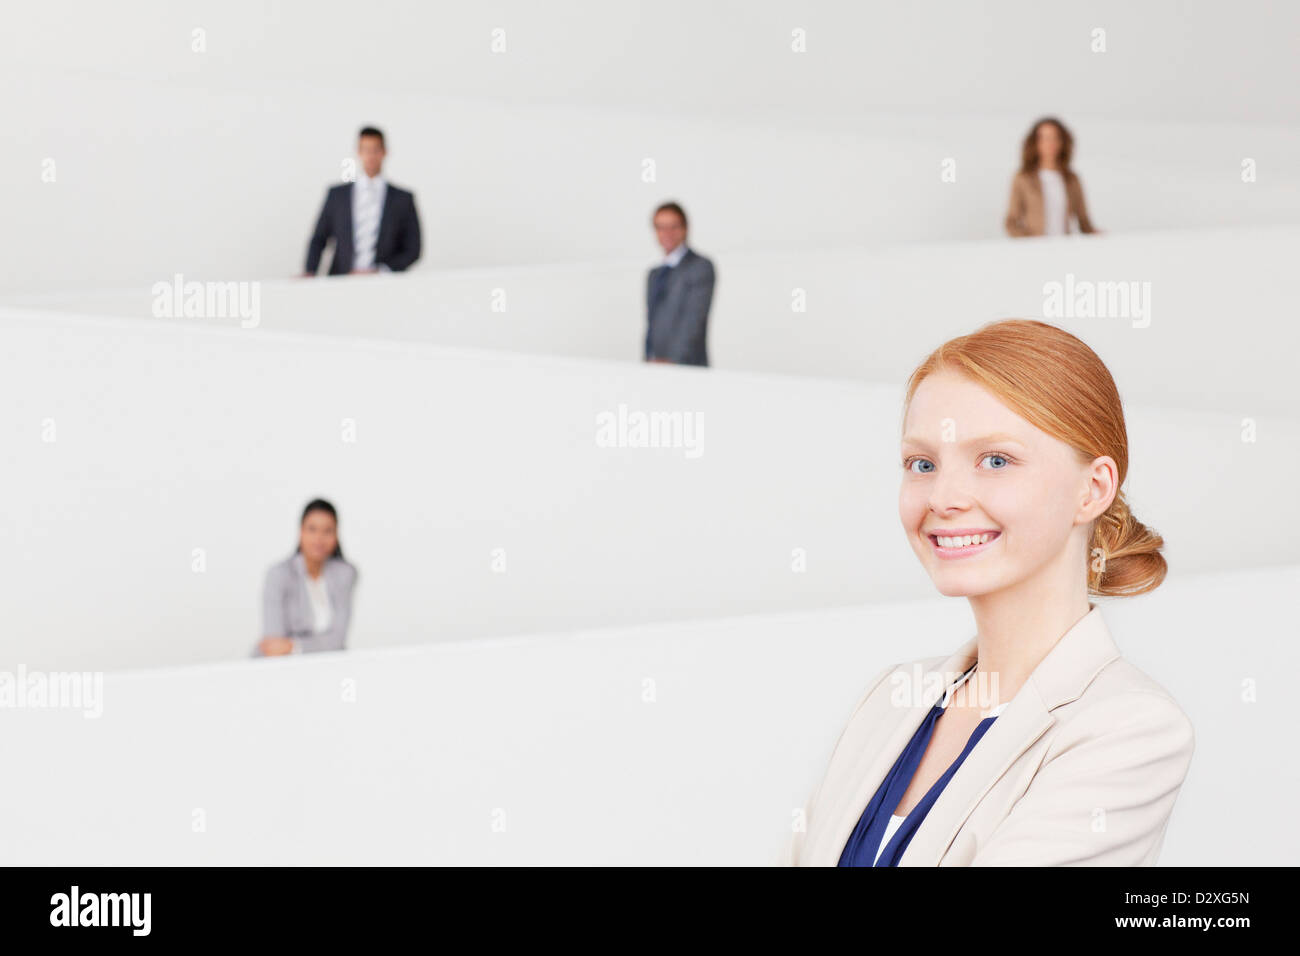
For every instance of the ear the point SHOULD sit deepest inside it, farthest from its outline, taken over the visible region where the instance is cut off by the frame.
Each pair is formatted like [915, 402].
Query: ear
[1102, 486]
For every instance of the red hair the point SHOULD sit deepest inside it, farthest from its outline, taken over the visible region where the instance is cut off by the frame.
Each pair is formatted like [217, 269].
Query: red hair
[1058, 384]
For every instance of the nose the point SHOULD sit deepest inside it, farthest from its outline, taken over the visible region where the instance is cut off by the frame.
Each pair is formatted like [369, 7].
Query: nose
[949, 493]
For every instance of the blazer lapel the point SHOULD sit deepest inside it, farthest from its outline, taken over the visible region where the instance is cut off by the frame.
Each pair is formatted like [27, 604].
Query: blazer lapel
[1015, 730]
[879, 753]
[674, 289]
[1035, 211]
[1071, 204]
[1060, 677]
[331, 573]
[385, 221]
[668, 305]
[344, 239]
[304, 616]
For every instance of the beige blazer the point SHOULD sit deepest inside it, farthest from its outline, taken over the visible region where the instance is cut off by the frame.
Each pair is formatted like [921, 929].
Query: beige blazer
[1082, 767]
[1025, 208]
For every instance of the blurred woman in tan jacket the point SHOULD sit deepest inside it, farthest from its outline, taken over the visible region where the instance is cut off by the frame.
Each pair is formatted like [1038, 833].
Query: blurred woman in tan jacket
[1046, 195]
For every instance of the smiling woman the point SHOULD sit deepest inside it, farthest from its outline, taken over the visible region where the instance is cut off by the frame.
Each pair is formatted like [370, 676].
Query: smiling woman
[307, 598]
[1041, 403]
[1057, 750]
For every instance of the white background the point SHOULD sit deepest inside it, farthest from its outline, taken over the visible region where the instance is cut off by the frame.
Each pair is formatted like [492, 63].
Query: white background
[819, 170]
[215, 164]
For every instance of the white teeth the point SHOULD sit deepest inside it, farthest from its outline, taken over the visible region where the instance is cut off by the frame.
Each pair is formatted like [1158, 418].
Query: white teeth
[965, 540]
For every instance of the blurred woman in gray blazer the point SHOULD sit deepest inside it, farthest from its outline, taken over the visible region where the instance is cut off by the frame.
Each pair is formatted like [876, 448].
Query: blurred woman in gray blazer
[307, 598]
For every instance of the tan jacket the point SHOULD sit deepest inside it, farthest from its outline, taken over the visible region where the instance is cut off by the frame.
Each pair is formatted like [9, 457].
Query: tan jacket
[1025, 209]
[1082, 767]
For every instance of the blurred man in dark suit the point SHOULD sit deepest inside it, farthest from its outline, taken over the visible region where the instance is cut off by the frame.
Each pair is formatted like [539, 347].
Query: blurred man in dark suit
[373, 223]
[678, 295]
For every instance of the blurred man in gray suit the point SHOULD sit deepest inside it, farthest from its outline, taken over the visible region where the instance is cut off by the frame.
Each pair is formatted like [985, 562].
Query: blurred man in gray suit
[678, 295]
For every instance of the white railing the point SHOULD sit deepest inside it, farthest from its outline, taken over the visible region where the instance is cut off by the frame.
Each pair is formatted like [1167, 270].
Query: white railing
[153, 471]
[689, 743]
[1187, 319]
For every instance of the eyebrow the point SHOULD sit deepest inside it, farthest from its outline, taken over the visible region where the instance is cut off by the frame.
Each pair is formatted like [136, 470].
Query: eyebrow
[982, 440]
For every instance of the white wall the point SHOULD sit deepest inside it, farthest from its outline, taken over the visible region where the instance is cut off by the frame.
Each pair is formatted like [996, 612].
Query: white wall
[553, 736]
[1217, 340]
[174, 437]
[215, 164]
[126, 443]
[728, 55]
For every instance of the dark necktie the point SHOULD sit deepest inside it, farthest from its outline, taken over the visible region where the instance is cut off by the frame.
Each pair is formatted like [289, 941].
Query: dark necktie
[658, 282]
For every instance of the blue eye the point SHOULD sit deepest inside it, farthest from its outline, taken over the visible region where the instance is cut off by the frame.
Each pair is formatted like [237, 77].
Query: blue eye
[1001, 458]
[920, 461]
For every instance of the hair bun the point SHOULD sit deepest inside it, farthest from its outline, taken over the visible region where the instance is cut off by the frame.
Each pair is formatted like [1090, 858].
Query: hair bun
[1058, 384]
[1124, 558]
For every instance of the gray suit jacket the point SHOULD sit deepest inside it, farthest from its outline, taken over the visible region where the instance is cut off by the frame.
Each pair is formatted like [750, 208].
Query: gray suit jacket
[677, 322]
[286, 608]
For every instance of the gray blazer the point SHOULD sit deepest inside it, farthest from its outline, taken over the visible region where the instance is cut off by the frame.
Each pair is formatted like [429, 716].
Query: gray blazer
[286, 608]
[678, 317]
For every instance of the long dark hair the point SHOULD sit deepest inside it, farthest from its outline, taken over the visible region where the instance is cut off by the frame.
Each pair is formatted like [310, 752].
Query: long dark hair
[1029, 149]
[320, 504]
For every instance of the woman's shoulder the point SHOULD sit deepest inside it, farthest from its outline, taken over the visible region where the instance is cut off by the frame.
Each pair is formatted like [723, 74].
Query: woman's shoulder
[281, 570]
[341, 570]
[1122, 698]
[1122, 678]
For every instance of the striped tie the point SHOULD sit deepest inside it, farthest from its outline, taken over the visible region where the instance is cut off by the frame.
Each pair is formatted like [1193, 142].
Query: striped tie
[365, 231]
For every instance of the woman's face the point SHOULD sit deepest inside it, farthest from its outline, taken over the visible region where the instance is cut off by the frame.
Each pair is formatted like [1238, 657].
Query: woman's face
[1048, 139]
[971, 466]
[319, 536]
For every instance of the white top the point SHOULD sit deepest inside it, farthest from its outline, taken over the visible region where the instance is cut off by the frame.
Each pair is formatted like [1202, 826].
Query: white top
[322, 613]
[675, 256]
[895, 821]
[367, 209]
[1055, 205]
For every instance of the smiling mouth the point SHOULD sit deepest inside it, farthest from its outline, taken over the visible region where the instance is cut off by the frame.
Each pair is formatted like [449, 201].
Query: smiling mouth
[964, 545]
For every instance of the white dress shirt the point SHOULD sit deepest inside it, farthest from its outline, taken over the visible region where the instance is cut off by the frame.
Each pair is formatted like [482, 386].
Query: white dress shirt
[322, 613]
[1056, 208]
[367, 211]
[675, 256]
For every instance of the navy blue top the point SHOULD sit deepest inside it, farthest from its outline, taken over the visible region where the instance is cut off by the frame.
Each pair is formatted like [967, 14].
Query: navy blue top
[864, 842]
